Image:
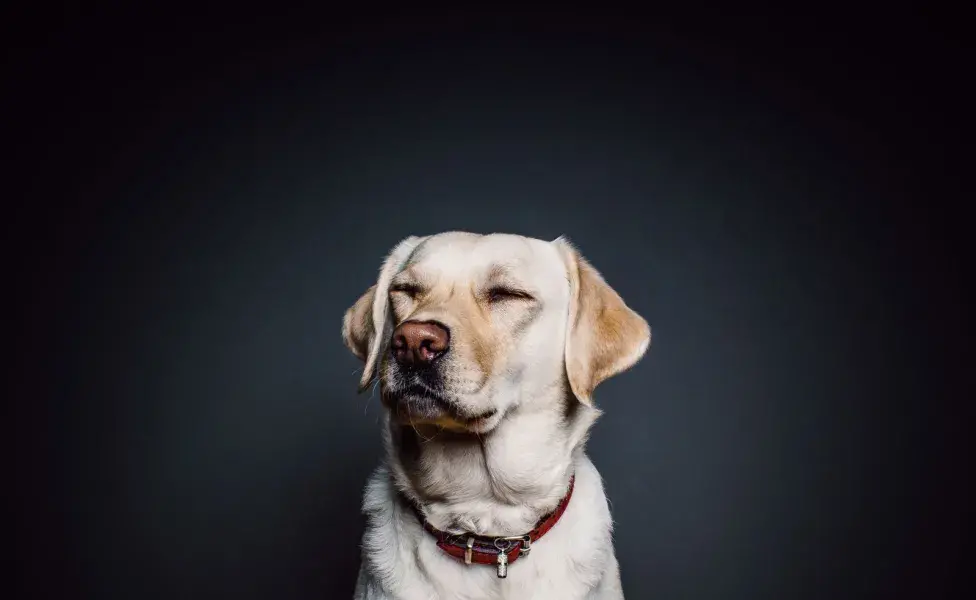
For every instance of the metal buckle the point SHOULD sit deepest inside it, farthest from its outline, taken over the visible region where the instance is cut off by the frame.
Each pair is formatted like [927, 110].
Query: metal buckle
[526, 543]
[468, 551]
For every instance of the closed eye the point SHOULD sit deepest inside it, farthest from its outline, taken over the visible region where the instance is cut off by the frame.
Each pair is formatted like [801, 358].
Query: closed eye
[501, 294]
[405, 288]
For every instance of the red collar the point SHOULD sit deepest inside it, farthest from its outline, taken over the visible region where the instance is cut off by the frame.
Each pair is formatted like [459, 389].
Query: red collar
[499, 551]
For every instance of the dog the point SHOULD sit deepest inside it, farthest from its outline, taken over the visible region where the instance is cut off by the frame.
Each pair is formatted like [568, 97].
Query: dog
[486, 350]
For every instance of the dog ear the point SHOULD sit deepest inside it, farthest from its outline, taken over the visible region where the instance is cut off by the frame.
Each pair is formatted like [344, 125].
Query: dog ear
[604, 336]
[357, 325]
[367, 324]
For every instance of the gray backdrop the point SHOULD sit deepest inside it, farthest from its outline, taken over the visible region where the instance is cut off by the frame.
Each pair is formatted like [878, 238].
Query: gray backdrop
[195, 430]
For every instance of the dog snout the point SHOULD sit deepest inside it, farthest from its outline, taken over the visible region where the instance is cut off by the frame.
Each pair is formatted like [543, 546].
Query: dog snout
[417, 344]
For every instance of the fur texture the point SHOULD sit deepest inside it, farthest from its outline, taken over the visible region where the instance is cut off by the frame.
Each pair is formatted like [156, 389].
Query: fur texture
[534, 329]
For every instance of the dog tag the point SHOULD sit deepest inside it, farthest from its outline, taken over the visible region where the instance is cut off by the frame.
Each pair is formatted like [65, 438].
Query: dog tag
[502, 565]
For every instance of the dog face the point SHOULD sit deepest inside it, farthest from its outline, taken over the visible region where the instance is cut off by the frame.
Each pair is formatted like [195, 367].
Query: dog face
[460, 328]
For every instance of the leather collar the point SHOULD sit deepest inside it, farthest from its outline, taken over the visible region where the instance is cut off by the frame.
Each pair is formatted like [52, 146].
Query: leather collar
[488, 550]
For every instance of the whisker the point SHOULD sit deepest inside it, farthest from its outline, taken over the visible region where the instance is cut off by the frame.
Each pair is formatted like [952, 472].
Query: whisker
[370, 397]
[417, 431]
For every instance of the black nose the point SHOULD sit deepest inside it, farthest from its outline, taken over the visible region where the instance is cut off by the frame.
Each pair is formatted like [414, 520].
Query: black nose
[417, 344]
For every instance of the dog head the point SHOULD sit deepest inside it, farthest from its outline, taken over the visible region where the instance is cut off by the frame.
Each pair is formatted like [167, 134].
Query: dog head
[460, 328]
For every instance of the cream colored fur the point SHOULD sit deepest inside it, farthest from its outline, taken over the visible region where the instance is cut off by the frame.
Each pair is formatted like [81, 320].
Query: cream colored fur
[535, 361]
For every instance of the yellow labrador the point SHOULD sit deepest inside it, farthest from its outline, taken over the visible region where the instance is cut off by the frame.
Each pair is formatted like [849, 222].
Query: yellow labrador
[486, 350]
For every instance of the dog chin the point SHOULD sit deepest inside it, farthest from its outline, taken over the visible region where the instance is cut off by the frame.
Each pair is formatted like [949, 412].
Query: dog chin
[428, 410]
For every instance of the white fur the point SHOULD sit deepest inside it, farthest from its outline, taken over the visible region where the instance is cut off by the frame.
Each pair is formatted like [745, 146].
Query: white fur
[509, 470]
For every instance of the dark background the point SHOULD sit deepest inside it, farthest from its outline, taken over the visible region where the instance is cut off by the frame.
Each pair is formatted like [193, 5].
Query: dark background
[196, 195]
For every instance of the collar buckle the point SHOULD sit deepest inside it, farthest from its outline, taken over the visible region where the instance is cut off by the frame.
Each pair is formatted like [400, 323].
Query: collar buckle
[525, 542]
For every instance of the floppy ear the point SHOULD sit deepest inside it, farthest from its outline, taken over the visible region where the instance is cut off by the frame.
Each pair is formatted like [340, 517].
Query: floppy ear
[357, 325]
[604, 336]
[367, 324]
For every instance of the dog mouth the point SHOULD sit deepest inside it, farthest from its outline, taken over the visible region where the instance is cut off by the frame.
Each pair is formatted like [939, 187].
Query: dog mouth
[417, 404]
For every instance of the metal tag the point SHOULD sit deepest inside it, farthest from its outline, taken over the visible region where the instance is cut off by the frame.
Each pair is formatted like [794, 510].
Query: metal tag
[502, 565]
